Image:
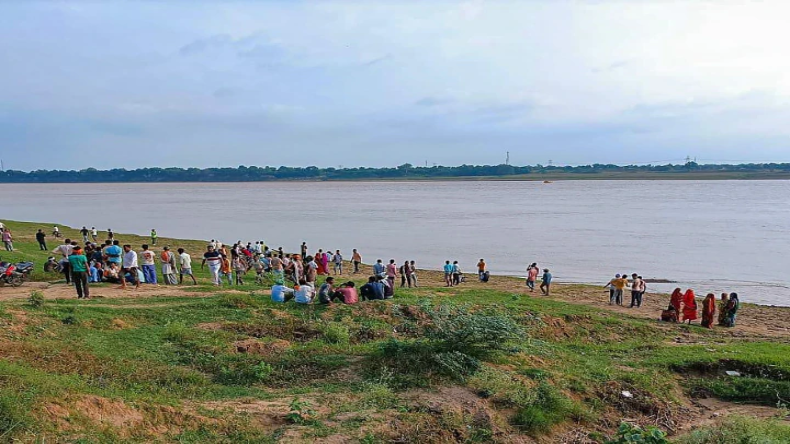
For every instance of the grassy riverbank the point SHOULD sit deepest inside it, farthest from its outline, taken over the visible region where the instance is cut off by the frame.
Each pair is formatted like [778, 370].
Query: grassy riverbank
[477, 363]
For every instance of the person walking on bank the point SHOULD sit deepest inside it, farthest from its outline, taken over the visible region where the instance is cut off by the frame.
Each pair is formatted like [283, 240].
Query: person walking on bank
[185, 261]
[41, 238]
[8, 240]
[356, 258]
[545, 286]
[84, 232]
[412, 274]
[79, 272]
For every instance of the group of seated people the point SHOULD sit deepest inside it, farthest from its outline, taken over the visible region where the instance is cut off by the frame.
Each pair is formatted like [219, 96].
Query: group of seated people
[377, 288]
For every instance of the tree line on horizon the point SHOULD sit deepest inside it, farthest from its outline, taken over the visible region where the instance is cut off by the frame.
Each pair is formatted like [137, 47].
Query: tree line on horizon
[268, 173]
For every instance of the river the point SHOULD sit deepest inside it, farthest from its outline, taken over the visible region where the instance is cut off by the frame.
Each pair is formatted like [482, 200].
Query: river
[707, 235]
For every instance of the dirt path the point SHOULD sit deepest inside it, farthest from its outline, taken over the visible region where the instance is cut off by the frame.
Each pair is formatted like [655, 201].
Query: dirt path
[754, 321]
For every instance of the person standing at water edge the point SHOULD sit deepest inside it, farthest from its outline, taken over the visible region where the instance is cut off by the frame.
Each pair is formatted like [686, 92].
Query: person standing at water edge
[708, 310]
[84, 232]
[153, 236]
[456, 273]
[214, 260]
[129, 266]
[185, 260]
[689, 306]
[149, 265]
[545, 286]
[448, 274]
[636, 291]
[168, 266]
[356, 258]
[733, 304]
[79, 272]
[41, 239]
[532, 276]
[481, 270]
[337, 260]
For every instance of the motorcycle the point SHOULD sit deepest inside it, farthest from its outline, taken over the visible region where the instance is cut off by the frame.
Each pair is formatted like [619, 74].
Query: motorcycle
[9, 275]
[25, 269]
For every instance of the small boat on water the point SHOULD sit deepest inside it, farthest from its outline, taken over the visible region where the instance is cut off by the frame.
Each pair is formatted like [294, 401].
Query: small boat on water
[547, 181]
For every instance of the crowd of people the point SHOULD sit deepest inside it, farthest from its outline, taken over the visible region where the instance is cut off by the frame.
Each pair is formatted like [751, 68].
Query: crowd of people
[683, 307]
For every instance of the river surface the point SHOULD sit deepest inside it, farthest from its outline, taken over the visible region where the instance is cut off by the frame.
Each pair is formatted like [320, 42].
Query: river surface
[707, 235]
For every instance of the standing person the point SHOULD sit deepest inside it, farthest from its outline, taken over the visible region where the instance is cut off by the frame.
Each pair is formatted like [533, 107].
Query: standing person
[65, 251]
[56, 231]
[412, 274]
[708, 310]
[337, 260]
[240, 267]
[225, 270]
[8, 240]
[185, 260]
[79, 272]
[94, 234]
[41, 239]
[617, 285]
[636, 291]
[323, 262]
[676, 300]
[378, 267]
[725, 298]
[84, 232]
[148, 262]
[457, 273]
[532, 276]
[154, 236]
[277, 266]
[214, 260]
[545, 286]
[689, 306]
[356, 258]
[129, 265]
[404, 275]
[392, 273]
[733, 304]
[642, 291]
[303, 250]
[297, 268]
[311, 271]
[481, 270]
[448, 274]
[168, 266]
[110, 234]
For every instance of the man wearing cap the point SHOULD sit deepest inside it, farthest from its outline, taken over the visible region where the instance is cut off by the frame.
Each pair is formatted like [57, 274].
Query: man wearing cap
[79, 272]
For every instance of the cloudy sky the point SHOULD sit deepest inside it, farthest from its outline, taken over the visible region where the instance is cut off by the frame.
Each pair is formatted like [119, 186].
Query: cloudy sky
[122, 84]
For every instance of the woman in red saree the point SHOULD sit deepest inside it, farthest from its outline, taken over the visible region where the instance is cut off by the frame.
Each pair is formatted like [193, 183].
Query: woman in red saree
[319, 260]
[676, 299]
[689, 306]
[708, 310]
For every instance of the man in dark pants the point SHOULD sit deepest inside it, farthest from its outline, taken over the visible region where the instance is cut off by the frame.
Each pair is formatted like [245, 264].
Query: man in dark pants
[41, 239]
[79, 272]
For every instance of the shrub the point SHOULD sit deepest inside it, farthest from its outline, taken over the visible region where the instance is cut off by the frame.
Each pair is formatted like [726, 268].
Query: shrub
[70, 320]
[301, 412]
[546, 408]
[740, 430]
[336, 333]
[243, 371]
[472, 333]
[36, 299]
[629, 433]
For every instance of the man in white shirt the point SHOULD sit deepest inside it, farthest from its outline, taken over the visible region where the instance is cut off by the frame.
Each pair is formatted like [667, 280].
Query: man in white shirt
[185, 260]
[94, 234]
[305, 293]
[149, 265]
[129, 266]
[65, 251]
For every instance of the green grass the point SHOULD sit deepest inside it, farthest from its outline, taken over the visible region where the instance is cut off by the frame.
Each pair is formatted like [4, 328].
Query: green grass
[162, 356]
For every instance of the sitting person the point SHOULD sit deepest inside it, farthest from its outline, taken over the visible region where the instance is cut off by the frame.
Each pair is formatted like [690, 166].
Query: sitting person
[366, 291]
[94, 272]
[670, 314]
[281, 293]
[347, 293]
[326, 294]
[388, 289]
[111, 273]
[304, 292]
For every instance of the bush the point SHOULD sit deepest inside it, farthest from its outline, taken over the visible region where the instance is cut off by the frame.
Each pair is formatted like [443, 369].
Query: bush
[472, 333]
[740, 430]
[177, 332]
[628, 433]
[546, 408]
[336, 333]
[243, 371]
[36, 299]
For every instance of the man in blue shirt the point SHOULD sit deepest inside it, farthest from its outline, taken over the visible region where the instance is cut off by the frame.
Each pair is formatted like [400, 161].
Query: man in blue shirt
[114, 253]
[378, 268]
[281, 293]
[448, 274]
[545, 287]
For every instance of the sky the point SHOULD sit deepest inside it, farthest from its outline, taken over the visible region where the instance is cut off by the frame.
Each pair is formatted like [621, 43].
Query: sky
[351, 83]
